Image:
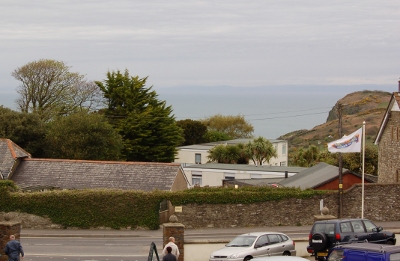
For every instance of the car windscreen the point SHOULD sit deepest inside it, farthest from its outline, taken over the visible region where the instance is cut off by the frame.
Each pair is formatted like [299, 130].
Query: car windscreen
[242, 241]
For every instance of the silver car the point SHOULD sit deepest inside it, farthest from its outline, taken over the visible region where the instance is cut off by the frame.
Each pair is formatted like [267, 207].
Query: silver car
[258, 244]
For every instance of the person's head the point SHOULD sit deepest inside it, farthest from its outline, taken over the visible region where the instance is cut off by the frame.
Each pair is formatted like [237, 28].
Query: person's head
[169, 250]
[12, 237]
[172, 239]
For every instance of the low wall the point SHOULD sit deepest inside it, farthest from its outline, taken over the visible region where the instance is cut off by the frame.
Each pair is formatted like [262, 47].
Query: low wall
[380, 204]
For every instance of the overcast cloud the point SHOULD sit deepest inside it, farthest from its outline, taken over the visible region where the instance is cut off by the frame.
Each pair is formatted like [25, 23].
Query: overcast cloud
[206, 43]
[186, 43]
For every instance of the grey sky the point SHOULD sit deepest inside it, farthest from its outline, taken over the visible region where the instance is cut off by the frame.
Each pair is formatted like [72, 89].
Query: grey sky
[208, 43]
[229, 42]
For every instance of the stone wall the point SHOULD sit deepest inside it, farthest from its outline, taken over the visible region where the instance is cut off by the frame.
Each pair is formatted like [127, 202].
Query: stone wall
[381, 204]
[388, 152]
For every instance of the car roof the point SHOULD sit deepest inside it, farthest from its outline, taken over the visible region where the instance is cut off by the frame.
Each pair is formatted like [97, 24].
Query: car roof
[279, 258]
[260, 233]
[340, 220]
[371, 247]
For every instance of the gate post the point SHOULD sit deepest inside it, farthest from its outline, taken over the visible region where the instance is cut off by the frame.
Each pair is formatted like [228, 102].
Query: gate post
[176, 230]
[8, 228]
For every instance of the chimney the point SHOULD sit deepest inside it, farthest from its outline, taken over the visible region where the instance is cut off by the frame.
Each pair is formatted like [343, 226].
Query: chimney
[399, 86]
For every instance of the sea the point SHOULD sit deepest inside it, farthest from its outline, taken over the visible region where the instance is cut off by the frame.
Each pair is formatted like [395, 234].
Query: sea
[272, 110]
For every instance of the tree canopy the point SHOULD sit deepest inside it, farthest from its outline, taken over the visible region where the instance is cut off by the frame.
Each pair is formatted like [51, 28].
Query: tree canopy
[147, 125]
[25, 129]
[48, 88]
[193, 131]
[260, 151]
[233, 126]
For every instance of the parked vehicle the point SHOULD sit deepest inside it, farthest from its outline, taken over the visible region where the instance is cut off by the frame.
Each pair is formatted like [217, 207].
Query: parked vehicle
[364, 251]
[280, 258]
[324, 235]
[258, 244]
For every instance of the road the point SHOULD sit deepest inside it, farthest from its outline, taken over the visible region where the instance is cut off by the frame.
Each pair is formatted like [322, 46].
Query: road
[112, 248]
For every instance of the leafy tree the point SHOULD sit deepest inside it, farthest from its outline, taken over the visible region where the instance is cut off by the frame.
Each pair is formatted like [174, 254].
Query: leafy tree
[146, 124]
[48, 88]
[353, 161]
[234, 126]
[26, 130]
[306, 157]
[214, 136]
[231, 154]
[193, 131]
[260, 150]
[83, 136]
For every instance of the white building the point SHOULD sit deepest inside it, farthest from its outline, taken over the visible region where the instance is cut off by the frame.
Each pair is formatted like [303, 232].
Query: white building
[198, 153]
[213, 174]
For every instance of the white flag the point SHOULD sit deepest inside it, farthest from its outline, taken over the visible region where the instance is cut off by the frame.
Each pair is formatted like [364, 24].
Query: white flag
[350, 143]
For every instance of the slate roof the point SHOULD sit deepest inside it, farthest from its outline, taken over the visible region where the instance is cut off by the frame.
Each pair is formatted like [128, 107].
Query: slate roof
[9, 153]
[83, 174]
[316, 176]
[394, 105]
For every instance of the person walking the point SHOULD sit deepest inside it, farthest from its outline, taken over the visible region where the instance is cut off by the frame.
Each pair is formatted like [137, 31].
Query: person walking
[174, 248]
[13, 249]
[169, 256]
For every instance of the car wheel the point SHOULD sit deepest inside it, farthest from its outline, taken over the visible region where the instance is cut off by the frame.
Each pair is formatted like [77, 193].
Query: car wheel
[247, 258]
[319, 241]
[389, 242]
[286, 253]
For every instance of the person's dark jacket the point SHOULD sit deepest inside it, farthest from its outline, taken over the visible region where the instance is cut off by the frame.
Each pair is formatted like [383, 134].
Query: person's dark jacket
[13, 249]
[169, 257]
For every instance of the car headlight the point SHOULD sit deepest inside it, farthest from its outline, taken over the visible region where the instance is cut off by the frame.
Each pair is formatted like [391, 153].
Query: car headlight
[233, 256]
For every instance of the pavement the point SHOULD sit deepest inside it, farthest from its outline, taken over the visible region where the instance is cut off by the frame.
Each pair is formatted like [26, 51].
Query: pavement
[393, 226]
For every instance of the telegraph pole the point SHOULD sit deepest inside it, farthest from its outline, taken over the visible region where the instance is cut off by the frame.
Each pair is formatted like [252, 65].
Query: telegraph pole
[340, 210]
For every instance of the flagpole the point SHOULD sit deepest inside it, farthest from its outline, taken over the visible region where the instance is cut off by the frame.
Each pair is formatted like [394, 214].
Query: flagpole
[363, 163]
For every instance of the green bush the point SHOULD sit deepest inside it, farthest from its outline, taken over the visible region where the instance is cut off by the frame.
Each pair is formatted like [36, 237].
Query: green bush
[127, 208]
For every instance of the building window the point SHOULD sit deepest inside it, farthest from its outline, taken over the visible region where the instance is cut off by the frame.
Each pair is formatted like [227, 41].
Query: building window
[395, 133]
[197, 158]
[229, 176]
[283, 149]
[283, 163]
[196, 179]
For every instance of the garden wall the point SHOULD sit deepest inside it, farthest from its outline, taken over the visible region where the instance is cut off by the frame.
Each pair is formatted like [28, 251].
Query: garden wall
[380, 204]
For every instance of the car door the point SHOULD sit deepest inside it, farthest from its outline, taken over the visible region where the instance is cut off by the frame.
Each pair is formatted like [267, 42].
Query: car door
[374, 235]
[261, 247]
[275, 246]
[359, 231]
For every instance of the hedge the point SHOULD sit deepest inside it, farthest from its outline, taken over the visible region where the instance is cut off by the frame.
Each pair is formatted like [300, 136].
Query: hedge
[128, 208]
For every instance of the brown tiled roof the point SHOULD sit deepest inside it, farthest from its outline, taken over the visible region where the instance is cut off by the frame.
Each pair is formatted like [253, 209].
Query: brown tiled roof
[82, 174]
[9, 153]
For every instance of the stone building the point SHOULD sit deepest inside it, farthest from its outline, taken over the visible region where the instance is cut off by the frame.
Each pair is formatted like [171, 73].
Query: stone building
[388, 141]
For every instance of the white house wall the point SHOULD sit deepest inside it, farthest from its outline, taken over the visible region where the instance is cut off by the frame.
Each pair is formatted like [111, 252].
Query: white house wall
[187, 156]
[214, 177]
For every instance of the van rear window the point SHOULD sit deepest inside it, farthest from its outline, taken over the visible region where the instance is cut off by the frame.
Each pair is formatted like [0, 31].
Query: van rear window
[325, 228]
